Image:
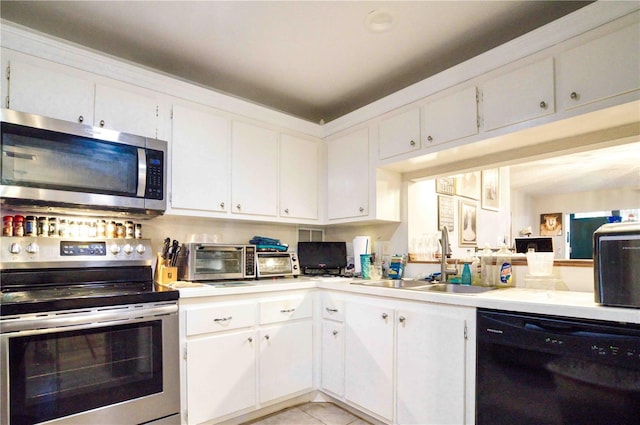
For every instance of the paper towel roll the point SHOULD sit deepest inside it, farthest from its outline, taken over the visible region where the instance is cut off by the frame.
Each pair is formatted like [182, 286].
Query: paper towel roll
[361, 245]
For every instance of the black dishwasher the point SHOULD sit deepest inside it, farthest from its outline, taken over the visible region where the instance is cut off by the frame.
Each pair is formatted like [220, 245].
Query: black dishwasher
[534, 369]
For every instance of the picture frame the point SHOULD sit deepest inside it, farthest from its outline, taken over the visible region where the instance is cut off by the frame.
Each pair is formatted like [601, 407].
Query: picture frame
[468, 185]
[490, 189]
[445, 186]
[467, 223]
[446, 212]
[551, 224]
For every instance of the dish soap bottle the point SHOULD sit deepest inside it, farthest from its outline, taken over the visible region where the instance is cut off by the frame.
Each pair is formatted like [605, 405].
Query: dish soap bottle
[504, 267]
[466, 275]
[486, 271]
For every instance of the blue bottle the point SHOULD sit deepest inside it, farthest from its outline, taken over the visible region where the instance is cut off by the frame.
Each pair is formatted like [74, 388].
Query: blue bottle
[466, 274]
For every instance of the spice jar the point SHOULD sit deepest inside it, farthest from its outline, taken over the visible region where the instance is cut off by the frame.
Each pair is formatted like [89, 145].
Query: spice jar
[128, 229]
[53, 226]
[63, 230]
[18, 225]
[30, 226]
[120, 231]
[111, 229]
[43, 227]
[137, 231]
[101, 229]
[74, 229]
[7, 225]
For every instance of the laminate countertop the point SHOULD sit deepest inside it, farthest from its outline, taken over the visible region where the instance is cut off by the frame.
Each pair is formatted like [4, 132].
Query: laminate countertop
[540, 301]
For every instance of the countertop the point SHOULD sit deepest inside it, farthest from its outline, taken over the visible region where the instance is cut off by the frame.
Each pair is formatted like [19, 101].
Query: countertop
[541, 301]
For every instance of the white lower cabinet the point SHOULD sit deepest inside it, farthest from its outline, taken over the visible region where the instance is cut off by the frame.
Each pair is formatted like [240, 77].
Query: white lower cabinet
[404, 362]
[221, 375]
[286, 360]
[245, 354]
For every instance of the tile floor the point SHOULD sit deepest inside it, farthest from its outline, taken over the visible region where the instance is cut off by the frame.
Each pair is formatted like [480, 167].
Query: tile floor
[310, 414]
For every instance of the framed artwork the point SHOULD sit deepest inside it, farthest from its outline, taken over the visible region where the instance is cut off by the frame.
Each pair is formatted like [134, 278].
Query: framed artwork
[445, 186]
[445, 212]
[491, 189]
[551, 224]
[467, 235]
[468, 185]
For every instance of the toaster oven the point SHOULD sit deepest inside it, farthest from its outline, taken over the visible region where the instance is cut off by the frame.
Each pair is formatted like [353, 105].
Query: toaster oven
[213, 261]
[616, 264]
[277, 264]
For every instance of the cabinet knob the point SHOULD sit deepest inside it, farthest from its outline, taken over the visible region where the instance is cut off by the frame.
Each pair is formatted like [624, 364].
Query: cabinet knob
[573, 95]
[335, 333]
[412, 143]
[385, 315]
[286, 210]
[402, 319]
[361, 210]
[250, 339]
[80, 118]
[429, 139]
[238, 207]
[221, 205]
[266, 337]
[101, 123]
[543, 104]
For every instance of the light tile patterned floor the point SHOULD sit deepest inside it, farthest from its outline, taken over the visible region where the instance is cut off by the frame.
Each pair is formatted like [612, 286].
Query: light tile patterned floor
[310, 414]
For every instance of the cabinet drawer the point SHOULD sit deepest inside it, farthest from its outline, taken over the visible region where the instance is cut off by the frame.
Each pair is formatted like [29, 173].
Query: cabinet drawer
[220, 318]
[283, 309]
[332, 308]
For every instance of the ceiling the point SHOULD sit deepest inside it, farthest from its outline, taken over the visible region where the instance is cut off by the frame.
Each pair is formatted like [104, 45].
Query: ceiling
[316, 60]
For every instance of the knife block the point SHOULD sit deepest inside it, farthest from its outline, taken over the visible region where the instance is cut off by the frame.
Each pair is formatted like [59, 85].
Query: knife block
[165, 274]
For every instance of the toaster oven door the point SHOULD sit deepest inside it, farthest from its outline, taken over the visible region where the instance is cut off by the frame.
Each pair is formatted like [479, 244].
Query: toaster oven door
[208, 262]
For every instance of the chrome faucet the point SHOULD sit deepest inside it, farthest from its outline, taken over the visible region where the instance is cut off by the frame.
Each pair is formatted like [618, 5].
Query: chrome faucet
[446, 251]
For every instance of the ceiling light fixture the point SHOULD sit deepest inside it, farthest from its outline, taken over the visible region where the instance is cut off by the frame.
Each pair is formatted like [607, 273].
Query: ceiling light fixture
[379, 21]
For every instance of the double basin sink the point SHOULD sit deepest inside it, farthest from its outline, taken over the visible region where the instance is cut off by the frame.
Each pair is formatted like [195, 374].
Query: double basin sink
[417, 285]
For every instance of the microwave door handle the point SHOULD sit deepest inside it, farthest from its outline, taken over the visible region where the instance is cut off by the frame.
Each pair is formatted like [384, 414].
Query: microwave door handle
[142, 173]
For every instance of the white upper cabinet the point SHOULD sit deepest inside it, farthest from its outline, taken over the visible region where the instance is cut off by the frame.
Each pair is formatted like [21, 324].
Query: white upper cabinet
[520, 95]
[450, 118]
[254, 170]
[124, 110]
[400, 134]
[348, 174]
[299, 168]
[602, 68]
[44, 91]
[200, 159]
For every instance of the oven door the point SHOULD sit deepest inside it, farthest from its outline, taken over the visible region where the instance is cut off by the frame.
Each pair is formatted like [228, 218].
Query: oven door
[108, 365]
[211, 262]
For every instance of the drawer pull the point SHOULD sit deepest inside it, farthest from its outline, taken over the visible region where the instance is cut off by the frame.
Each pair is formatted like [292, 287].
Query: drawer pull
[291, 310]
[332, 310]
[224, 319]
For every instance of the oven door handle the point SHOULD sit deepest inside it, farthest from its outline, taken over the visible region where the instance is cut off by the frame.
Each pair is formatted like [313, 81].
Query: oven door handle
[95, 317]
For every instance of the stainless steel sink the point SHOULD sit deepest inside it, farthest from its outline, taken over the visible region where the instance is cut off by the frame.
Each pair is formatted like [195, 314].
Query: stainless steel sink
[454, 288]
[391, 283]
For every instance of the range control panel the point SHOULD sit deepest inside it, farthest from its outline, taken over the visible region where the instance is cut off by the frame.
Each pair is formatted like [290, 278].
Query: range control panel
[83, 248]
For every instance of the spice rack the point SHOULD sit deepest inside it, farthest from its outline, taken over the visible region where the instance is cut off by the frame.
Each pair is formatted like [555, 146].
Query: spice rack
[66, 227]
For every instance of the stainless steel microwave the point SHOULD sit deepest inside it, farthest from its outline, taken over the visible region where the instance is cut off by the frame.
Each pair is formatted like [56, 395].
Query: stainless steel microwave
[54, 163]
[214, 261]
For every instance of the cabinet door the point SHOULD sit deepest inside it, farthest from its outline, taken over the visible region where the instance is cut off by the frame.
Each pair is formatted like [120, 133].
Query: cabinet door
[400, 134]
[286, 360]
[221, 374]
[199, 159]
[42, 91]
[126, 111]
[602, 68]
[520, 95]
[254, 170]
[299, 166]
[332, 363]
[348, 174]
[369, 358]
[450, 118]
[431, 364]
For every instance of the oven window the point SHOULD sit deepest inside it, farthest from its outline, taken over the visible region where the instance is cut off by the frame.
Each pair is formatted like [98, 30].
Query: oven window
[58, 374]
[219, 261]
